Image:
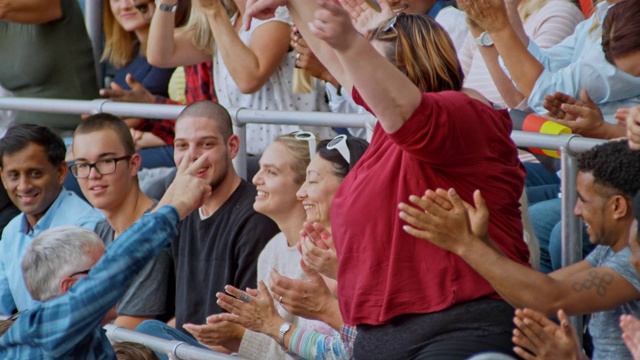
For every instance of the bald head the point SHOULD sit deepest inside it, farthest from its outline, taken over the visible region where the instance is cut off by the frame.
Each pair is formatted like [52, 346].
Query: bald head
[209, 110]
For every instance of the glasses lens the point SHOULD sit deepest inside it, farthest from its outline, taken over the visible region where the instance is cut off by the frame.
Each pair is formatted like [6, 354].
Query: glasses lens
[335, 141]
[340, 143]
[310, 139]
[304, 135]
[106, 166]
[80, 170]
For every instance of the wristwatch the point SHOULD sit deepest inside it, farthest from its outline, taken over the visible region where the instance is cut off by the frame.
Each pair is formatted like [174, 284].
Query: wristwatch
[166, 8]
[283, 331]
[484, 40]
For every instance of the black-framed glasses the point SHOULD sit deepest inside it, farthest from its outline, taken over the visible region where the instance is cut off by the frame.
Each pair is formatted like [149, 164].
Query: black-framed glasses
[83, 272]
[340, 143]
[103, 167]
[310, 138]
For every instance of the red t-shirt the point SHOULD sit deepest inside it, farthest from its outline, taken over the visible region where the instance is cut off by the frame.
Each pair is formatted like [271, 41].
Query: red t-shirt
[451, 140]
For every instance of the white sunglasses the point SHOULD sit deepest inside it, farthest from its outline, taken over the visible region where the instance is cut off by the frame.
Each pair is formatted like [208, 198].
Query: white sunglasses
[310, 138]
[340, 143]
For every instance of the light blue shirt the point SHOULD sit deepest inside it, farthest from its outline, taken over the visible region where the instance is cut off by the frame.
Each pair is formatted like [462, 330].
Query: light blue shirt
[578, 63]
[67, 209]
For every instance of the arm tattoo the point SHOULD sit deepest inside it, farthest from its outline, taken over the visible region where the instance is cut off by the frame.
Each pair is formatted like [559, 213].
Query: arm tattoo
[598, 281]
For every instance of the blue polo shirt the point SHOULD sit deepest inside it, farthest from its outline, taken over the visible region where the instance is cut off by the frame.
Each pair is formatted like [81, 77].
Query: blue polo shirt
[67, 209]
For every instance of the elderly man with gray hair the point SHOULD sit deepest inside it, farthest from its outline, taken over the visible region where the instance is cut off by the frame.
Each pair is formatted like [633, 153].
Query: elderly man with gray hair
[58, 258]
[79, 286]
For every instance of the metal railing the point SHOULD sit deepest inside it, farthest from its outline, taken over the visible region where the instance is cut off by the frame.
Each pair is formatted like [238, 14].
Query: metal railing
[568, 145]
[172, 348]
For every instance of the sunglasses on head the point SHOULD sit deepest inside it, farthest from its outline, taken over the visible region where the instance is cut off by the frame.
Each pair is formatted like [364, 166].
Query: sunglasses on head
[340, 143]
[310, 138]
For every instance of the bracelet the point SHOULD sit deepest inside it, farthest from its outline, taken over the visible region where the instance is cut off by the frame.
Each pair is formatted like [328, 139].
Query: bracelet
[166, 8]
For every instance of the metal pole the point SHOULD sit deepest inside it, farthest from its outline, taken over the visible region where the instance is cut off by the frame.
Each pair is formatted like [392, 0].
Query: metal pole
[239, 128]
[571, 224]
[93, 23]
[177, 349]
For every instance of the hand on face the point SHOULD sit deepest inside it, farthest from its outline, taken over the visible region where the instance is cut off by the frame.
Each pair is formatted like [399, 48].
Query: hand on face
[187, 192]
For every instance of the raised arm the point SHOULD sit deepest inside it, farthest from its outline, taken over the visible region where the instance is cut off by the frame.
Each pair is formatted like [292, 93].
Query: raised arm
[492, 16]
[571, 288]
[366, 69]
[169, 48]
[30, 11]
[250, 65]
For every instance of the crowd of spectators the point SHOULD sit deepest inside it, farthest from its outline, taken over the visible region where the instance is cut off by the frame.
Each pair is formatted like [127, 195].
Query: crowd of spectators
[408, 244]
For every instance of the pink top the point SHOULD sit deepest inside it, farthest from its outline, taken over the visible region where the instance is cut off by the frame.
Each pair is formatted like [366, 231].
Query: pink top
[547, 27]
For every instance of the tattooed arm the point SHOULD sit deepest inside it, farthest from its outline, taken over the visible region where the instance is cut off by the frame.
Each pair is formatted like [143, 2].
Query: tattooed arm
[604, 281]
[578, 289]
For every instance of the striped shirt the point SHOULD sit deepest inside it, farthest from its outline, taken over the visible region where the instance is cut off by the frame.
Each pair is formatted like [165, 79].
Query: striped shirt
[68, 327]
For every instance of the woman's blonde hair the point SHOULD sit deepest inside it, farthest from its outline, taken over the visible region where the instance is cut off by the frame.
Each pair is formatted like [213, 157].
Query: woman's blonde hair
[302, 81]
[530, 7]
[120, 46]
[199, 25]
[422, 50]
[299, 149]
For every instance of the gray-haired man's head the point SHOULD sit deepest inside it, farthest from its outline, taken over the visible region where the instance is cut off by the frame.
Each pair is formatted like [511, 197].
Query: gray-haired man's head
[59, 257]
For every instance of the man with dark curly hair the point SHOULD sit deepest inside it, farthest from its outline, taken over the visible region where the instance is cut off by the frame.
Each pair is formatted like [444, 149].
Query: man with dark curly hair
[605, 284]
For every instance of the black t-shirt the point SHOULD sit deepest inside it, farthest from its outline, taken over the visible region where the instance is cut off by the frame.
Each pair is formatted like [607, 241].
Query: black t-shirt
[220, 250]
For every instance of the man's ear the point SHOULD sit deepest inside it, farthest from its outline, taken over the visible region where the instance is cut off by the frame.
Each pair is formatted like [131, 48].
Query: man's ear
[620, 206]
[63, 169]
[135, 161]
[233, 144]
[65, 284]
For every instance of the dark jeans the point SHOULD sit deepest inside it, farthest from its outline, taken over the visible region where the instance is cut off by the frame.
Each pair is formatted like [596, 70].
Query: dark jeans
[540, 183]
[161, 330]
[461, 331]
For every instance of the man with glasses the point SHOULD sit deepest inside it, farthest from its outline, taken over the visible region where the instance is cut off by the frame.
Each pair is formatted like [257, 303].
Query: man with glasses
[33, 170]
[106, 166]
[78, 286]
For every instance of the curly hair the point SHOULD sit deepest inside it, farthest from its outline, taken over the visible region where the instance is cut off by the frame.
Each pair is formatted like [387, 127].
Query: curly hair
[614, 166]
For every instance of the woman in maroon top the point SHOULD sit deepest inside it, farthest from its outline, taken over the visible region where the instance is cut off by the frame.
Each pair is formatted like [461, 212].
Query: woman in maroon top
[407, 298]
